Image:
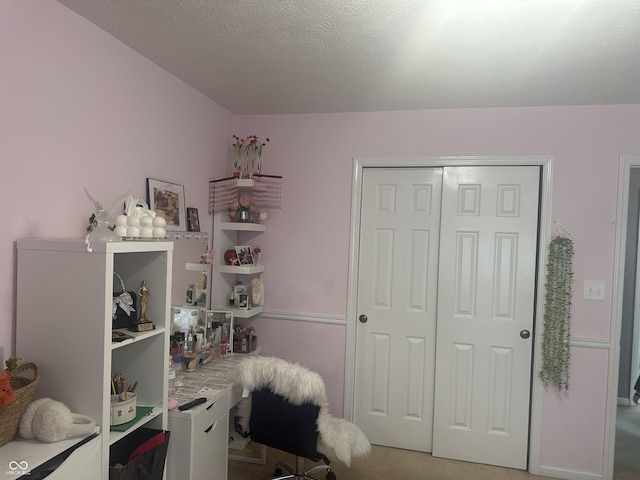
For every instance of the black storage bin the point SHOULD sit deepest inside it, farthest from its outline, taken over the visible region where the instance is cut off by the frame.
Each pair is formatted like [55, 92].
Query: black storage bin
[148, 466]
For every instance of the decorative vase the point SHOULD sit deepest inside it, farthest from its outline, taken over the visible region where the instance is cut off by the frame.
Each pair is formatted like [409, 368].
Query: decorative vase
[244, 215]
[253, 162]
[245, 166]
[237, 164]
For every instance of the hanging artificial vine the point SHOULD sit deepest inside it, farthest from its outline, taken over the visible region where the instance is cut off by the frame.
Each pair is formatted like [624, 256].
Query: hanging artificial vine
[556, 353]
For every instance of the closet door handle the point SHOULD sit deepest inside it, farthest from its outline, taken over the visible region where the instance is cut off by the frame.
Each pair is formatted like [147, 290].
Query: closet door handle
[363, 318]
[525, 334]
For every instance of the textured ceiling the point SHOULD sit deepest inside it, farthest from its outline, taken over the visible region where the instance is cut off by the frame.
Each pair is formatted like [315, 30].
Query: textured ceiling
[295, 56]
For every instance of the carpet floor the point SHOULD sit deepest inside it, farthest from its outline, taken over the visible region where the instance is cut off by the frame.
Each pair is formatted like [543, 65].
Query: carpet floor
[383, 464]
[627, 460]
[390, 463]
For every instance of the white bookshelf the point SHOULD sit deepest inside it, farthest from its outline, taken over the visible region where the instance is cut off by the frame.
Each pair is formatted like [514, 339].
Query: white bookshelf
[64, 298]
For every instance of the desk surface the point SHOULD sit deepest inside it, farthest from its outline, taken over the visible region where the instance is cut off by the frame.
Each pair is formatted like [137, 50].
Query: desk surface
[218, 375]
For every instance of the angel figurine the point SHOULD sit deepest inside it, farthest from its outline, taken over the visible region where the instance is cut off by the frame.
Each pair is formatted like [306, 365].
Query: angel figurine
[101, 226]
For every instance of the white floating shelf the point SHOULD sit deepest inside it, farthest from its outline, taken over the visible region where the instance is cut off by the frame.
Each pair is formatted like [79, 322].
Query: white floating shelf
[243, 227]
[241, 270]
[251, 312]
[196, 267]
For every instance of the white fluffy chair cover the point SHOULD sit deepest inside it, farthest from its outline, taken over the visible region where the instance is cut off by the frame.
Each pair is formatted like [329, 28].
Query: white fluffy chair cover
[300, 385]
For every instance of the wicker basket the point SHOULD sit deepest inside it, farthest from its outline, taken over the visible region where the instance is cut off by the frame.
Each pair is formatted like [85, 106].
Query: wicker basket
[23, 389]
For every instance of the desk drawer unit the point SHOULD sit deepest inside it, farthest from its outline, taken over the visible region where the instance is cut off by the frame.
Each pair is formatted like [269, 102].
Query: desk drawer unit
[199, 439]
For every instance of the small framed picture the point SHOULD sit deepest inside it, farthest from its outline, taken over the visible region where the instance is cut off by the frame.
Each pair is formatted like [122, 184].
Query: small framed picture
[167, 200]
[245, 256]
[194, 220]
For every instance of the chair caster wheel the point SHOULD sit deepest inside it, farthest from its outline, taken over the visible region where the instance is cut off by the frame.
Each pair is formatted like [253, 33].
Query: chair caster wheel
[331, 475]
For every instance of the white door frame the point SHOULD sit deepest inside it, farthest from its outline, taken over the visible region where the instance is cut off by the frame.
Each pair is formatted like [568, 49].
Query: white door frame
[546, 162]
[627, 162]
[635, 351]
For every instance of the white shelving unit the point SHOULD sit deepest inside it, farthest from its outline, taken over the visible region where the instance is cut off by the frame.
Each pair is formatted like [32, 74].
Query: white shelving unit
[227, 235]
[64, 299]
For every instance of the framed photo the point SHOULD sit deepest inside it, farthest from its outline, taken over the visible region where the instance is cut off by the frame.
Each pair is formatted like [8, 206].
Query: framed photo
[193, 221]
[245, 256]
[167, 200]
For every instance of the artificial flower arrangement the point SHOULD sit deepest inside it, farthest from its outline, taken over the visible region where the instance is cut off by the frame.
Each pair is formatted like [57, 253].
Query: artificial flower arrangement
[247, 155]
[244, 210]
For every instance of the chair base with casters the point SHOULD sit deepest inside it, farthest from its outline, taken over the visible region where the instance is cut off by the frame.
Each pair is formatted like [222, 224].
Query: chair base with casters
[299, 473]
[291, 428]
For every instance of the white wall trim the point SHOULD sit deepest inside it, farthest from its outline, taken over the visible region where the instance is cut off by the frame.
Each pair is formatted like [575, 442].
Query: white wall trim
[635, 352]
[302, 317]
[567, 474]
[546, 162]
[588, 343]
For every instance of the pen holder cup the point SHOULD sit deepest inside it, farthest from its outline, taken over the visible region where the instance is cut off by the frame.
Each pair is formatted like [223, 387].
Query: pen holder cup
[123, 410]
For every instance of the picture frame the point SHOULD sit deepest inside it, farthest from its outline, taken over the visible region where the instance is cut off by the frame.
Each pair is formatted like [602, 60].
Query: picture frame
[193, 220]
[167, 200]
[245, 255]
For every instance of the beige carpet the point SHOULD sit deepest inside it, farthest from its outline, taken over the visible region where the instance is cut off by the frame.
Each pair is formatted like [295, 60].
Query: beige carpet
[384, 464]
[390, 463]
[627, 459]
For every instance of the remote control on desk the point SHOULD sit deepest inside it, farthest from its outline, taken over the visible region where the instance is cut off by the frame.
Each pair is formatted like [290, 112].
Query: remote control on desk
[192, 403]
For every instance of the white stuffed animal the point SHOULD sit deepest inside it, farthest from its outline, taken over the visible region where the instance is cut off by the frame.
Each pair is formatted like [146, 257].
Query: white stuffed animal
[50, 421]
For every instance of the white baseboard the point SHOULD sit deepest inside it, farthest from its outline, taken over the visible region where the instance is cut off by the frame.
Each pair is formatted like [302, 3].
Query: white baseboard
[566, 474]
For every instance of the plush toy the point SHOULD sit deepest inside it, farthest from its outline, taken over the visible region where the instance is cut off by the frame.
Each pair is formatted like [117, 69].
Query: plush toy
[51, 421]
[6, 392]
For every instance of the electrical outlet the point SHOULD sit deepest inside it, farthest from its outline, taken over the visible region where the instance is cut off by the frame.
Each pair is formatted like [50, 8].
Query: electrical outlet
[594, 289]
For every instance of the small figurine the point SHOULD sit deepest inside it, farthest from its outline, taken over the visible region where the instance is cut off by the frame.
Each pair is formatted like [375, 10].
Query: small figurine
[143, 324]
[143, 293]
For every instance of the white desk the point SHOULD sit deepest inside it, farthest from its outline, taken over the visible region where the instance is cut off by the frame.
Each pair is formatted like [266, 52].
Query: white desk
[199, 444]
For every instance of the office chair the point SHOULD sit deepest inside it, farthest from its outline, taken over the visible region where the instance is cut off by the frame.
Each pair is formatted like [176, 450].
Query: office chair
[291, 428]
[286, 408]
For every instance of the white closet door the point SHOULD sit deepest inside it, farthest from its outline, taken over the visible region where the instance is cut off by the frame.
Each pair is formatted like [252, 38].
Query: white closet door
[398, 265]
[485, 314]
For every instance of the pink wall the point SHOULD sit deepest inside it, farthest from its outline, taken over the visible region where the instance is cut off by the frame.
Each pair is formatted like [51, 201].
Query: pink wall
[81, 109]
[318, 346]
[315, 154]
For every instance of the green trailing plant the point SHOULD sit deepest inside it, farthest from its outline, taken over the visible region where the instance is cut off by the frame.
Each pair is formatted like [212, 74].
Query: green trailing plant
[556, 352]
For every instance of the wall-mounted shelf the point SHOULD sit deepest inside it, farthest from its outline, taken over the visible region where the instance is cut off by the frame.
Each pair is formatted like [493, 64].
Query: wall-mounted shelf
[252, 312]
[196, 267]
[242, 227]
[227, 235]
[241, 270]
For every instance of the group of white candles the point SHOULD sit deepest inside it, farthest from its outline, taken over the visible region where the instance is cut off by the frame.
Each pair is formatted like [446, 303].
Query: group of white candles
[140, 227]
